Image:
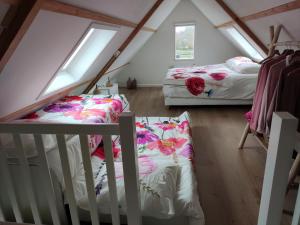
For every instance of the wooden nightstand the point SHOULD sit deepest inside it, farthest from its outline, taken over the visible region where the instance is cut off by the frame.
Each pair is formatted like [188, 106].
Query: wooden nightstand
[113, 90]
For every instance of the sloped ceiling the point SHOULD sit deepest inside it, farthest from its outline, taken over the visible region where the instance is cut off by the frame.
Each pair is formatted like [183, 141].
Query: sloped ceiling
[132, 10]
[212, 11]
[259, 26]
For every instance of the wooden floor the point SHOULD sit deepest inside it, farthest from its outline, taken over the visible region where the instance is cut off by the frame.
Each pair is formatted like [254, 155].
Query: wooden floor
[229, 180]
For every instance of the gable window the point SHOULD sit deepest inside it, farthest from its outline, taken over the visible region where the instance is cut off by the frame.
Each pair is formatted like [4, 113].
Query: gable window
[244, 43]
[82, 57]
[184, 41]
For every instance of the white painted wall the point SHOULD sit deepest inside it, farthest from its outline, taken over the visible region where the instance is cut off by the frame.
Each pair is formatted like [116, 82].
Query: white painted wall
[159, 16]
[44, 48]
[150, 64]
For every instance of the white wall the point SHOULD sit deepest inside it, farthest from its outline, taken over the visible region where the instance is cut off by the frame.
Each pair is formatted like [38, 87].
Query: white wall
[150, 64]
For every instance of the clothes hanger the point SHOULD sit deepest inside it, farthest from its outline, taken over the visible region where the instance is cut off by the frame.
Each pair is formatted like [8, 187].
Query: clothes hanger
[275, 52]
[287, 51]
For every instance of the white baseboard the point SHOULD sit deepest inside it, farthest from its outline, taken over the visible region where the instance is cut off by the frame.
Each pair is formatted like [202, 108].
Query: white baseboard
[143, 85]
[149, 85]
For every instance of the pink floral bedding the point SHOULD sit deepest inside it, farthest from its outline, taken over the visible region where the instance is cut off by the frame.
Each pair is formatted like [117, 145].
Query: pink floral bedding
[202, 80]
[165, 156]
[80, 109]
[168, 138]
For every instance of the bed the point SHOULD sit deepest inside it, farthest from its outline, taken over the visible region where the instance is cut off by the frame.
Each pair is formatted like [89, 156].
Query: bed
[164, 155]
[230, 83]
[83, 109]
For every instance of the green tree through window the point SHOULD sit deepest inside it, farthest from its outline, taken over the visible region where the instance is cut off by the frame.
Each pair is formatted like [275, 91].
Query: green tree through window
[184, 41]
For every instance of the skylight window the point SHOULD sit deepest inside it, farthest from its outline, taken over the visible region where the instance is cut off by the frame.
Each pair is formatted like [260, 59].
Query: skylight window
[184, 41]
[244, 43]
[83, 56]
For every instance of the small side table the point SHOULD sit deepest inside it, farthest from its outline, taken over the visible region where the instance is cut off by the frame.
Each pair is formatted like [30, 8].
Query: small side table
[113, 90]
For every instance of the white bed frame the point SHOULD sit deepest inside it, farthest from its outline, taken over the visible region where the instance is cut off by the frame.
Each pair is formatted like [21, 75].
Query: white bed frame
[203, 101]
[126, 130]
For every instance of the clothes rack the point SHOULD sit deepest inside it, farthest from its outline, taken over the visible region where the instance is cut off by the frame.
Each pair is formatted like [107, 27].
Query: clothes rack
[263, 140]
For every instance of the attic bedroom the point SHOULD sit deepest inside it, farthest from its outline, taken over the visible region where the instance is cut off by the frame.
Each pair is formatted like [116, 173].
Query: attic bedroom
[149, 112]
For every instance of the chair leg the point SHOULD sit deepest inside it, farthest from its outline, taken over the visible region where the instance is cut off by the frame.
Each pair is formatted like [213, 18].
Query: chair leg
[244, 136]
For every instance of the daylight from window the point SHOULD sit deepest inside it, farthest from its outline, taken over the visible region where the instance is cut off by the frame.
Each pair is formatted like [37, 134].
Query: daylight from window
[82, 57]
[237, 36]
[184, 42]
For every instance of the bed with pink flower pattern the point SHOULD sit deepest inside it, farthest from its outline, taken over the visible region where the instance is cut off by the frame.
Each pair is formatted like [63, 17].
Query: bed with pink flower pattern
[168, 188]
[166, 173]
[211, 84]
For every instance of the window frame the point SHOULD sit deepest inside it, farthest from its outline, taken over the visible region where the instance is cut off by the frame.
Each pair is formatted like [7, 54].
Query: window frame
[174, 34]
[247, 39]
[93, 25]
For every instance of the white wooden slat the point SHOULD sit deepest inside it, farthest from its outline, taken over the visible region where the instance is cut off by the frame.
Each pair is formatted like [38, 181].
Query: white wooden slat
[130, 168]
[25, 170]
[47, 182]
[296, 216]
[52, 128]
[110, 167]
[89, 179]
[279, 161]
[61, 142]
[10, 188]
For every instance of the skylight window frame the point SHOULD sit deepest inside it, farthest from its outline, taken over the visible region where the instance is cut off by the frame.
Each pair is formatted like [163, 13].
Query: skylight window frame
[194, 44]
[76, 49]
[247, 39]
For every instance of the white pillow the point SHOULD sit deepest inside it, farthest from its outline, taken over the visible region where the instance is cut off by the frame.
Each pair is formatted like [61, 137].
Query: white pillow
[243, 65]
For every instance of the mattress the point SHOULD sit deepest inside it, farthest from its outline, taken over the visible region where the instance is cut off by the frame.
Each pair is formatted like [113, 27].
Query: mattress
[166, 174]
[219, 82]
[72, 109]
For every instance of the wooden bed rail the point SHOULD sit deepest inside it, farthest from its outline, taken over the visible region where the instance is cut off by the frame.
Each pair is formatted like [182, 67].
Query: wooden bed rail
[279, 161]
[125, 128]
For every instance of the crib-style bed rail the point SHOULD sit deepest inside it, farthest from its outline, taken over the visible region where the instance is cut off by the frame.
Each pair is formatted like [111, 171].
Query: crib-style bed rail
[125, 128]
[283, 141]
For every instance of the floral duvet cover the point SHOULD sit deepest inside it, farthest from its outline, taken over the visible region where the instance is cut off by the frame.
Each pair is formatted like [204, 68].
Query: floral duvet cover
[79, 110]
[210, 81]
[165, 158]
[82, 109]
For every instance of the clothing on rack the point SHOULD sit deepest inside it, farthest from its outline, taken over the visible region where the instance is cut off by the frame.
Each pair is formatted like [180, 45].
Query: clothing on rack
[278, 89]
[260, 87]
[270, 92]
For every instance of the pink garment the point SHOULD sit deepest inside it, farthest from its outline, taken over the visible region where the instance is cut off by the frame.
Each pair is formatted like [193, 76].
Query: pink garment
[248, 116]
[257, 101]
[269, 92]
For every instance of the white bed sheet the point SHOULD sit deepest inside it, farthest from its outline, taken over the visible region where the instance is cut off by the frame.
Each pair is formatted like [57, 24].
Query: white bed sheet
[236, 85]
